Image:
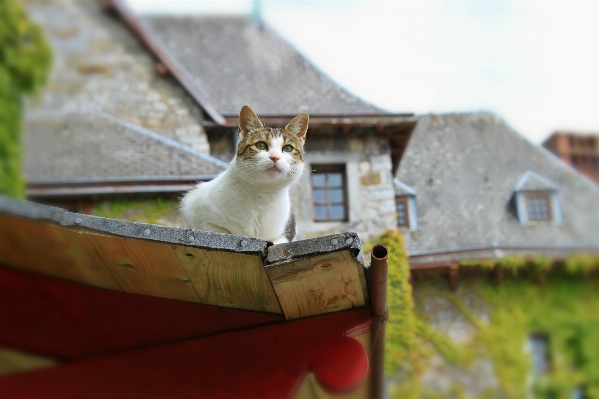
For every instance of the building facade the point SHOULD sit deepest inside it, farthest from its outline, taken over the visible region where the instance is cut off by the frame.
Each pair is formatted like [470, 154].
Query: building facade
[581, 151]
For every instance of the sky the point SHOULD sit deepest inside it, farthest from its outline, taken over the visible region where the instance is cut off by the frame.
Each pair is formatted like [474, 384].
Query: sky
[533, 63]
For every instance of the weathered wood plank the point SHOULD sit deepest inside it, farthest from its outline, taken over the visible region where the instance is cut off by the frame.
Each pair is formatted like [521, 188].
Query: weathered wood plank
[144, 267]
[322, 284]
[229, 279]
[52, 250]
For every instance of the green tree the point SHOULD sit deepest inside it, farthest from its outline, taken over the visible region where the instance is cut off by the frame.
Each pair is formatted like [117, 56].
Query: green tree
[25, 59]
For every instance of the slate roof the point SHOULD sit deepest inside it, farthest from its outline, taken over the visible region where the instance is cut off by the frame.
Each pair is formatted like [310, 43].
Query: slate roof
[99, 148]
[238, 62]
[465, 168]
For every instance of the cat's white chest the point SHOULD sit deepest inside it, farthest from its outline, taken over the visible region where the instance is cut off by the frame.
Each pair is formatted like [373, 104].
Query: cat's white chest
[255, 213]
[225, 205]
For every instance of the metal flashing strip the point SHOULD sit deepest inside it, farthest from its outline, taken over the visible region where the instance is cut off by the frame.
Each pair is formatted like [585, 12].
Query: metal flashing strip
[122, 180]
[171, 235]
[293, 251]
[274, 254]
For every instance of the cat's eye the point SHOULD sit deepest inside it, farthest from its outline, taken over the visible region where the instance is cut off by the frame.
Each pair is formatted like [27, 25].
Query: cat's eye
[261, 145]
[287, 148]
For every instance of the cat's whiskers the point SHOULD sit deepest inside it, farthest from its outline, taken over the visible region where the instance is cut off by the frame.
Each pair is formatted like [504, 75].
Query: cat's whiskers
[301, 177]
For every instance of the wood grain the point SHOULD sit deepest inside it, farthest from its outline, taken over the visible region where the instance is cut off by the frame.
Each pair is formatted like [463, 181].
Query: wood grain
[229, 279]
[52, 250]
[322, 284]
[144, 267]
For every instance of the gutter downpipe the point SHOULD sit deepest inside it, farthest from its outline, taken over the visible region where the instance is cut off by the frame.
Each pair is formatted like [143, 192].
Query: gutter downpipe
[380, 314]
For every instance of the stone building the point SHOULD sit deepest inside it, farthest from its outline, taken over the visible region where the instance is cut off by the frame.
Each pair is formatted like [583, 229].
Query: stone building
[100, 67]
[467, 187]
[186, 79]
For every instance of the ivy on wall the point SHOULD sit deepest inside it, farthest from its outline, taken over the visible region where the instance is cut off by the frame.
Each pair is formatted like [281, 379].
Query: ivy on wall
[25, 59]
[144, 211]
[560, 302]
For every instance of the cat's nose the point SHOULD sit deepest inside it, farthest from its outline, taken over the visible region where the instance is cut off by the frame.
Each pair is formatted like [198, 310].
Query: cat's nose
[274, 159]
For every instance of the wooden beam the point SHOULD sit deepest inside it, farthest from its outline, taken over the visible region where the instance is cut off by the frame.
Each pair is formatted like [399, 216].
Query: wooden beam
[229, 279]
[317, 285]
[144, 267]
[53, 251]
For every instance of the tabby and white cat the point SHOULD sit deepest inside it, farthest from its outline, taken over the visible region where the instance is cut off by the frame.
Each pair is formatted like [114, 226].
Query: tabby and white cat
[251, 198]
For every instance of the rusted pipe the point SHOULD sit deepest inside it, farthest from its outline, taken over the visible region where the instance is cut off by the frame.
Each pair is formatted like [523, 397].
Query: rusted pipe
[380, 313]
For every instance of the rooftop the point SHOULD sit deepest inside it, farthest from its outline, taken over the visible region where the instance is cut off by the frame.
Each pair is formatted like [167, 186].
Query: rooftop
[94, 148]
[238, 61]
[465, 168]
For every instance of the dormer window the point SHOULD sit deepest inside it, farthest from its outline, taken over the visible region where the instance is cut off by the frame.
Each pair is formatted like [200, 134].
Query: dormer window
[537, 200]
[405, 205]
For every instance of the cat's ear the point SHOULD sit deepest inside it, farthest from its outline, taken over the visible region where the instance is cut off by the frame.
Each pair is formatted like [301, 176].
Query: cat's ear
[248, 120]
[299, 125]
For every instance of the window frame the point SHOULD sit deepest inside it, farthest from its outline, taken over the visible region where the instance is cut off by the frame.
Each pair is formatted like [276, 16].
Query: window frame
[327, 169]
[548, 200]
[406, 203]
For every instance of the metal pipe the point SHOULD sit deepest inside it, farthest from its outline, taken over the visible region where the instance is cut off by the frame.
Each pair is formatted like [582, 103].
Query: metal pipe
[380, 313]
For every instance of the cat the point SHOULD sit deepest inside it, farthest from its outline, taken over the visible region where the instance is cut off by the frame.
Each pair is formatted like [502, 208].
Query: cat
[251, 197]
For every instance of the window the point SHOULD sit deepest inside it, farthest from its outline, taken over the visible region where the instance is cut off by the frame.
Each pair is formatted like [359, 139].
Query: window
[328, 191]
[578, 393]
[401, 207]
[538, 207]
[539, 350]
[536, 201]
[405, 205]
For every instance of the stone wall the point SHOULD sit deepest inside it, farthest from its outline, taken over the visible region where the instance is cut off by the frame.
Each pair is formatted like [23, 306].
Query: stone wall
[100, 67]
[446, 318]
[370, 194]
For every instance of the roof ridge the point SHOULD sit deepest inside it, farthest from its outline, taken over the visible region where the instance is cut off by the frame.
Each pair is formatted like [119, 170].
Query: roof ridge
[168, 60]
[529, 174]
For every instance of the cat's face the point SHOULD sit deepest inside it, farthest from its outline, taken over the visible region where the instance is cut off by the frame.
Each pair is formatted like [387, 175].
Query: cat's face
[270, 156]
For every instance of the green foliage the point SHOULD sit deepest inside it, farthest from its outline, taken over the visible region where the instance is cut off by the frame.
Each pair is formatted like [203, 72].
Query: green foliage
[25, 59]
[404, 351]
[149, 211]
[533, 297]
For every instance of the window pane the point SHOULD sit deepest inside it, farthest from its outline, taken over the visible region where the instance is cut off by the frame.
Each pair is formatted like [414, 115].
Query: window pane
[337, 212]
[336, 195]
[335, 179]
[401, 214]
[578, 393]
[320, 195]
[538, 209]
[320, 211]
[318, 179]
[539, 346]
